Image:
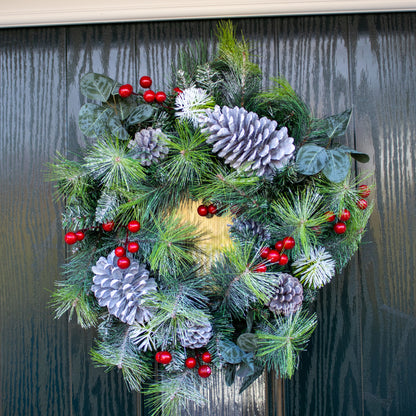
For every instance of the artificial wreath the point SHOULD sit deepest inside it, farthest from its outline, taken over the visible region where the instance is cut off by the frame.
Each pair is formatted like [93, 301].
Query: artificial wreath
[137, 271]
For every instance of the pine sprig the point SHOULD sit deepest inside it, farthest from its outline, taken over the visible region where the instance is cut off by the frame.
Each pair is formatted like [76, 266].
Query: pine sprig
[110, 162]
[281, 341]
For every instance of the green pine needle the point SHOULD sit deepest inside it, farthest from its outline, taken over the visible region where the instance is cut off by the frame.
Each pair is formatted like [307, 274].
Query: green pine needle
[109, 161]
[281, 341]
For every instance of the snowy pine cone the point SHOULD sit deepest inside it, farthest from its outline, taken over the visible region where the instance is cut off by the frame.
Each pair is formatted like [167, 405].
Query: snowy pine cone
[122, 290]
[288, 296]
[245, 140]
[248, 228]
[149, 145]
[196, 335]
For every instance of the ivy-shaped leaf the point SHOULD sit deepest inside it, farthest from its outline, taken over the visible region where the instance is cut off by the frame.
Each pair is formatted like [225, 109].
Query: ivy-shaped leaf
[97, 86]
[246, 367]
[337, 166]
[247, 342]
[230, 352]
[141, 113]
[230, 371]
[93, 120]
[117, 129]
[311, 159]
[248, 381]
[330, 127]
[122, 107]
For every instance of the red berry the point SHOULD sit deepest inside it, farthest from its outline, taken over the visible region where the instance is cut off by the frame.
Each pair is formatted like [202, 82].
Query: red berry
[149, 96]
[340, 228]
[160, 97]
[157, 356]
[330, 216]
[202, 210]
[70, 238]
[206, 357]
[123, 262]
[108, 226]
[204, 371]
[133, 247]
[165, 357]
[273, 256]
[212, 209]
[190, 362]
[133, 226]
[260, 268]
[264, 252]
[145, 82]
[125, 90]
[120, 251]
[364, 191]
[178, 90]
[284, 259]
[362, 204]
[288, 243]
[80, 235]
[279, 246]
[345, 215]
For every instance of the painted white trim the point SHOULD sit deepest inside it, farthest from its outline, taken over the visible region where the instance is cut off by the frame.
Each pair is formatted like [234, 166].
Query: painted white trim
[63, 12]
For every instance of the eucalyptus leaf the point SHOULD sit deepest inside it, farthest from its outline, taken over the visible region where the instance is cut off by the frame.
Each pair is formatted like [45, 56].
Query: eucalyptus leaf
[337, 166]
[230, 352]
[141, 113]
[93, 119]
[96, 86]
[330, 127]
[117, 129]
[247, 342]
[249, 380]
[311, 159]
[358, 156]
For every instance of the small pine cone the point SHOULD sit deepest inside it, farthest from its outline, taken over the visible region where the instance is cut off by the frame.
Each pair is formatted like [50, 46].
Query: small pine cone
[248, 228]
[245, 140]
[149, 145]
[122, 290]
[195, 335]
[288, 296]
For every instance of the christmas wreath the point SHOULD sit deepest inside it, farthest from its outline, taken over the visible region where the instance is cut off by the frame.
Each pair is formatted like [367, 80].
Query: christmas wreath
[136, 269]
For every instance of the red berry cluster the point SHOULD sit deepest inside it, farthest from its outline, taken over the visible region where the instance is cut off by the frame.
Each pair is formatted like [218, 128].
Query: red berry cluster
[163, 357]
[207, 210]
[363, 192]
[149, 96]
[204, 370]
[72, 237]
[277, 254]
[132, 246]
[339, 227]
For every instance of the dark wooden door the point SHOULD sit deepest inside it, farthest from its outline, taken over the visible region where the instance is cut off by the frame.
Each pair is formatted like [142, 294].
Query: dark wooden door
[360, 360]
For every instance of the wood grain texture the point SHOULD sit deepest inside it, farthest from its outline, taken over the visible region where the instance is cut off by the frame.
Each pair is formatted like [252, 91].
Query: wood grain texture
[34, 366]
[383, 78]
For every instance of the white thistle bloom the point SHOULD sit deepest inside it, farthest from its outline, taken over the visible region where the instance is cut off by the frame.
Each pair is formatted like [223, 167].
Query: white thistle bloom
[316, 269]
[191, 103]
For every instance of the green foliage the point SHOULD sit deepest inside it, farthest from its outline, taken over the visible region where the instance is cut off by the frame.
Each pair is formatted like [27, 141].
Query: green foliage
[282, 104]
[97, 87]
[110, 163]
[280, 341]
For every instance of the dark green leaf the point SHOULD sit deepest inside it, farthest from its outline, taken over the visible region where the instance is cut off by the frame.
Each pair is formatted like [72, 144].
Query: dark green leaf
[93, 119]
[246, 368]
[330, 127]
[96, 86]
[230, 352]
[123, 107]
[248, 381]
[311, 159]
[230, 371]
[247, 342]
[139, 114]
[358, 156]
[117, 129]
[337, 166]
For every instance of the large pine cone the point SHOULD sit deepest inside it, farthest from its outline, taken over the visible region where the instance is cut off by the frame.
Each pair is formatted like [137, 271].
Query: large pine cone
[196, 335]
[288, 296]
[122, 290]
[246, 141]
[149, 145]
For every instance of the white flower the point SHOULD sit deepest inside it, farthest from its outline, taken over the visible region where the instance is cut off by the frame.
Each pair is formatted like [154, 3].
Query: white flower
[315, 270]
[191, 103]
